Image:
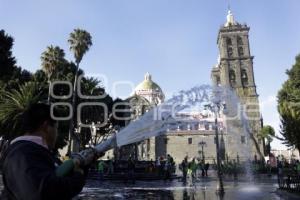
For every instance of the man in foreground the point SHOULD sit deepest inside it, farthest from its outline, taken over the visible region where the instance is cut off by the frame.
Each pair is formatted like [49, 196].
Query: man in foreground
[29, 165]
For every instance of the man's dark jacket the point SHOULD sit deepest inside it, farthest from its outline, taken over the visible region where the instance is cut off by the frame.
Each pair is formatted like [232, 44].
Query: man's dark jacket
[29, 174]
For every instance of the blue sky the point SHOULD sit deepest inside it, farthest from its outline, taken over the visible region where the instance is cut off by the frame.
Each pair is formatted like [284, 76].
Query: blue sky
[174, 40]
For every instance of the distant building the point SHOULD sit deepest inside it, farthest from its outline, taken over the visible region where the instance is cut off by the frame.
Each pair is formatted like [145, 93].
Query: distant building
[146, 95]
[287, 154]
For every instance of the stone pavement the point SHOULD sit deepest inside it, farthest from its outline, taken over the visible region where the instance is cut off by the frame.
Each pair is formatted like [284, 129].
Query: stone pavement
[260, 188]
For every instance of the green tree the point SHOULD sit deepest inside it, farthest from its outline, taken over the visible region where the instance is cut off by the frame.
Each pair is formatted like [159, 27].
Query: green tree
[12, 105]
[97, 114]
[289, 106]
[10, 75]
[266, 134]
[7, 61]
[52, 58]
[19, 88]
[80, 41]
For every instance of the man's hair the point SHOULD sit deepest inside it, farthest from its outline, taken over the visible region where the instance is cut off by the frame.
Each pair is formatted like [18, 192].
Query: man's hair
[35, 116]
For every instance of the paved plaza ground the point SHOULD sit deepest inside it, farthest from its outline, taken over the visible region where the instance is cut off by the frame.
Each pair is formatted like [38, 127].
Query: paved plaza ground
[260, 188]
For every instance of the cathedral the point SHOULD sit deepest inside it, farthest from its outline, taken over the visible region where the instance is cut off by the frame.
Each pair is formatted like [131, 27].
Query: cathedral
[197, 140]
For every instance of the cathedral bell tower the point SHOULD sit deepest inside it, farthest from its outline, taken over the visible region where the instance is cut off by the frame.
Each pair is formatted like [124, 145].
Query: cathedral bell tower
[235, 69]
[235, 65]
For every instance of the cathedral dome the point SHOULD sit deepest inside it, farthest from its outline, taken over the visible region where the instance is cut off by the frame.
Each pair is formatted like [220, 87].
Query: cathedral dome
[147, 84]
[150, 90]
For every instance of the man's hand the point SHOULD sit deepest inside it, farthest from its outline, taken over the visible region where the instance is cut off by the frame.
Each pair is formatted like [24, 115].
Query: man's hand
[100, 154]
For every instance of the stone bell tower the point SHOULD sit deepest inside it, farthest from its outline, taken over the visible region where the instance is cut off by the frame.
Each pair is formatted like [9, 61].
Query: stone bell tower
[235, 70]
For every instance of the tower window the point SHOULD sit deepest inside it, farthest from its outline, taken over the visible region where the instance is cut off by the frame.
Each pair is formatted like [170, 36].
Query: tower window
[243, 139]
[228, 41]
[230, 52]
[190, 140]
[148, 145]
[218, 80]
[241, 51]
[244, 77]
[232, 76]
[206, 126]
[166, 140]
[239, 41]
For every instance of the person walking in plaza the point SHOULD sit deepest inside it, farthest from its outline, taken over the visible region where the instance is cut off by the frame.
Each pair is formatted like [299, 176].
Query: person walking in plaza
[184, 168]
[110, 169]
[206, 169]
[171, 164]
[202, 168]
[167, 170]
[131, 169]
[162, 166]
[170, 159]
[151, 167]
[101, 166]
[298, 167]
[157, 166]
[193, 168]
[29, 168]
[269, 168]
[235, 170]
[280, 172]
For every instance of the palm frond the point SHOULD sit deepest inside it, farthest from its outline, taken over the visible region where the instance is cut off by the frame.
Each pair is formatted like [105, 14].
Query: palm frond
[52, 58]
[80, 42]
[14, 103]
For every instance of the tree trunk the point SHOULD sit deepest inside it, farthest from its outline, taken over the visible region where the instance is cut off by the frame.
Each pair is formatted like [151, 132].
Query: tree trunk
[74, 142]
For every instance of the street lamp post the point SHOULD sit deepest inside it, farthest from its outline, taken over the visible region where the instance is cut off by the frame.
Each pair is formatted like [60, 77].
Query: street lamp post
[221, 187]
[215, 107]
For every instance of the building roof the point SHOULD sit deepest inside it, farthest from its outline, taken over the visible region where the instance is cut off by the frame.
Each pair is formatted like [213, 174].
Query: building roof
[148, 84]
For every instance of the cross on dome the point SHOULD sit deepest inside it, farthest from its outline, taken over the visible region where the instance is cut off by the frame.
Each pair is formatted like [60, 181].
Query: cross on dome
[148, 76]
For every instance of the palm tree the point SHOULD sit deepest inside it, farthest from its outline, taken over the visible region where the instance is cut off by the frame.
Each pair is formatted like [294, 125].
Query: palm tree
[12, 105]
[52, 58]
[266, 134]
[80, 41]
